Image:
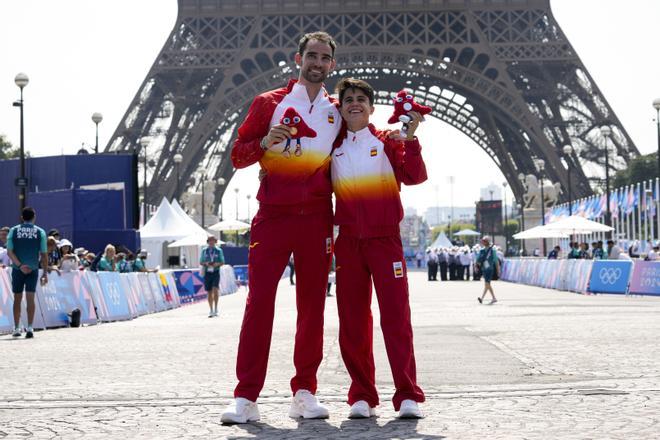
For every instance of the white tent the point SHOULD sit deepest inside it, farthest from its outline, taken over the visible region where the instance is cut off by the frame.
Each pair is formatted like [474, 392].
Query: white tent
[441, 242]
[576, 224]
[165, 226]
[539, 232]
[467, 233]
[190, 245]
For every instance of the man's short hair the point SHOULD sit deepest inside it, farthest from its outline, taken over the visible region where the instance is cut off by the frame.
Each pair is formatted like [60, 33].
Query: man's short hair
[354, 84]
[28, 214]
[320, 36]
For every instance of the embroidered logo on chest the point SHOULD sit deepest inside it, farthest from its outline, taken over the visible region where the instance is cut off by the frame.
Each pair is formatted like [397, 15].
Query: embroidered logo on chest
[331, 118]
[373, 152]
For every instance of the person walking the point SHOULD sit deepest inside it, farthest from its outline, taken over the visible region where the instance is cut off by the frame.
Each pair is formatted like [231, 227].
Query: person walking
[442, 262]
[26, 247]
[489, 266]
[368, 168]
[432, 264]
[295, 216]
[211, 259]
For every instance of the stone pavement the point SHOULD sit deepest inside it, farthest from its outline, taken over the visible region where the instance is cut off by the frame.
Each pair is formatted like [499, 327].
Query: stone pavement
[539, 364]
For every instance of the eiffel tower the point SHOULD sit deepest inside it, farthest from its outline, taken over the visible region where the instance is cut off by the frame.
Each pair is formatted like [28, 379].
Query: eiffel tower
[502, 72]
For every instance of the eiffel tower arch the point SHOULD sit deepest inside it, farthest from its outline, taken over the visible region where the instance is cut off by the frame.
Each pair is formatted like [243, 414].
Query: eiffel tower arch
[502, 72]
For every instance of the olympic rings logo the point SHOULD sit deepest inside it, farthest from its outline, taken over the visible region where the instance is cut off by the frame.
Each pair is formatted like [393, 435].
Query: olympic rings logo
[609, 275]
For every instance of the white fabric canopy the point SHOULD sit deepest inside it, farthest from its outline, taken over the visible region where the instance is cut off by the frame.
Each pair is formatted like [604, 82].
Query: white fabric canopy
[467, 232]
[539, 232]
[441, 242]
[576, 224]
[229, 225]
[195, 240]
[192, 223]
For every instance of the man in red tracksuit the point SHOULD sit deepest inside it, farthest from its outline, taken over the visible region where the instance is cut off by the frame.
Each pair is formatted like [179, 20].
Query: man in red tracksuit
[368, 167]
[295, 216]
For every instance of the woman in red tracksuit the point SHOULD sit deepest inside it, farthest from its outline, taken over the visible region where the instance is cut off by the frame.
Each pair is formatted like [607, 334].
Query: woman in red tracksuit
[368, 167]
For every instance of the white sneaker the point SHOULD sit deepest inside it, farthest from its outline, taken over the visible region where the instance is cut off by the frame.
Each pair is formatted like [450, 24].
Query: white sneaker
[307, 406]
[410, 410]
[361, 410]
[211, 314]
[17, 332]
[215, 313]
[240, 411]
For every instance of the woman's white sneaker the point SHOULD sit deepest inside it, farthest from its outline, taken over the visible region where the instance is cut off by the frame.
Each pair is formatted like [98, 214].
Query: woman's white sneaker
[307, 406]
[410, 410]
[240, 411]
[361, 410]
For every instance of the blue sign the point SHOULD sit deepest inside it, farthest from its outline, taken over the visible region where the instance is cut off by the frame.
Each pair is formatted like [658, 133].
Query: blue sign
[610, 276]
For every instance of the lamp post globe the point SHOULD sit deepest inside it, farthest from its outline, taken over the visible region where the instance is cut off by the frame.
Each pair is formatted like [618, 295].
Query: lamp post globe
[236, 191]
[606, 131]
[21, 80]
[97, 118]
[221, 182]
[178, 158]
[540, 167]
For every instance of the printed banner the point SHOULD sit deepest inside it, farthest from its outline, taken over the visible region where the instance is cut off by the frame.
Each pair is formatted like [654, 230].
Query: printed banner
[137, 302]
[610, 276]
[61, 295]
[645, 278]
[115, 298]
[6, 303]
[190, 286]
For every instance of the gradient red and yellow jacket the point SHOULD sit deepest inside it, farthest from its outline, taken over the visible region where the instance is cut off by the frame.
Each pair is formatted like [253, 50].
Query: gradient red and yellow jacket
[367, 171]
[297, 182]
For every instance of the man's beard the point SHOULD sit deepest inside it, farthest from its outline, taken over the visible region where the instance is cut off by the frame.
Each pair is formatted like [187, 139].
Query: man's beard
[315, 79]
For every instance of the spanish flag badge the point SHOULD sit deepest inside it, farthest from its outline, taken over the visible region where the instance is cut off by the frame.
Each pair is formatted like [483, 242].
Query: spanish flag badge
[398, 269]
[331, 118]
[373, 152]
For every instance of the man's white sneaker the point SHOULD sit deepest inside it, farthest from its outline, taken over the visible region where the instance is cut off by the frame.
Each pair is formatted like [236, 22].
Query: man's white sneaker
[17, 333]
[361, 410]
[410, 410]
[307, 406]
[240, 411]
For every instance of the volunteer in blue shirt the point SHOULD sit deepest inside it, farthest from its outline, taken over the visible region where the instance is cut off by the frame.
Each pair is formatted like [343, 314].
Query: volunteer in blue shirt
[26, 245]
[211, 259]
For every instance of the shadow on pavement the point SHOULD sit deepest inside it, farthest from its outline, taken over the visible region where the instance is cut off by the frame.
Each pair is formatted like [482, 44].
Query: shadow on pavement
[349, 429]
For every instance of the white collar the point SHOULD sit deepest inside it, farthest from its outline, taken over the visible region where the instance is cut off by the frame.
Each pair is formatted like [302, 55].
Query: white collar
[299, 91]
[359, 135]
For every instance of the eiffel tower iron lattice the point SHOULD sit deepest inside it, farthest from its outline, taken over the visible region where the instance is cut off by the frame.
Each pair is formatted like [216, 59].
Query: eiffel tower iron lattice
[501, 72]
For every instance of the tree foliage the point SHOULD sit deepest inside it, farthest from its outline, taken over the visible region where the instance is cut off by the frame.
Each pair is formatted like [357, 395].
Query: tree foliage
[7, 150]
[639, 169]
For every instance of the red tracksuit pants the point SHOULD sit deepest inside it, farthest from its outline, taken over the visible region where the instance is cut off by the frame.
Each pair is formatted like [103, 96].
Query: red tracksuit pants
[358, 262]
[273, 238]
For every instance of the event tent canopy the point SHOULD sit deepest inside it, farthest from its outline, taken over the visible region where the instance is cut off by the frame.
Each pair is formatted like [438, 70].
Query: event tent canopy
[539, 232]
[441, 242]
[229, 225]
[576, 224]
[166, 224]
[467, 232]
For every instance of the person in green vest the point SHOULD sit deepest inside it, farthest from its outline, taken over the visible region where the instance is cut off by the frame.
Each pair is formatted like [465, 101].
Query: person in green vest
[107, 261]
[211, 258]
[26, 246]
[489, 265]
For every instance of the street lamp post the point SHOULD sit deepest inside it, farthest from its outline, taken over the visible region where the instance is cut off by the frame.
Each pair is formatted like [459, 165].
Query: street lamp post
[540, 167]
[203, 181]
[249, 196]
[567, 151]
[521, 210]
[607, 132]
[97, 118]
[21, 81]
[221, 183]
[178, 158]
[145, 143]
[451, 203]
[506, 220]
[236, 191]
[656, 106]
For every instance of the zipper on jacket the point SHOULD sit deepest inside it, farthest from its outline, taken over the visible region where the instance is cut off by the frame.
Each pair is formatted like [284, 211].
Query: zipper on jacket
[311, 108]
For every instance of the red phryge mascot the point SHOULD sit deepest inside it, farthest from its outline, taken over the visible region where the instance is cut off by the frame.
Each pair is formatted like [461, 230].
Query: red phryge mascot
[299, 129]
[404, 103]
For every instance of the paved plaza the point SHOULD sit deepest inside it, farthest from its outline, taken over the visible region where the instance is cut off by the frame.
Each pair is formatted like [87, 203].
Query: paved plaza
[539, 364]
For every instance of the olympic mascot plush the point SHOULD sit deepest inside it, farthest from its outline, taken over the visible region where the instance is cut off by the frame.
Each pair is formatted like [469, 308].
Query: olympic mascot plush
[404, 103]
[299, 129]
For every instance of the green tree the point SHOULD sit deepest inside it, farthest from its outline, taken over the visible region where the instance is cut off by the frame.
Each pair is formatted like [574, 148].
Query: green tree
[639, 169]
[7, 150]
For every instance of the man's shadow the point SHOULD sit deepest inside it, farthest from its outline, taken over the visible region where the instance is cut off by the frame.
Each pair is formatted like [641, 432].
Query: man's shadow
[356, 428]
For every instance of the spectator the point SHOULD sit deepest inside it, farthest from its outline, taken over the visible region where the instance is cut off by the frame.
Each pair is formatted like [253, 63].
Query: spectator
[3, 236]
[88, 260]
[653, 253]
[466, 261]
[69, 260]
[138, 264]
[419, 257]
[574, 252]
[489, 267]
[432, 265]
[107, 262]
[53, 253]
[121, 263]
[598, 253]
[584, 252]
[4, 256]
[613, 251]
[554, 254]
[55, 234]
